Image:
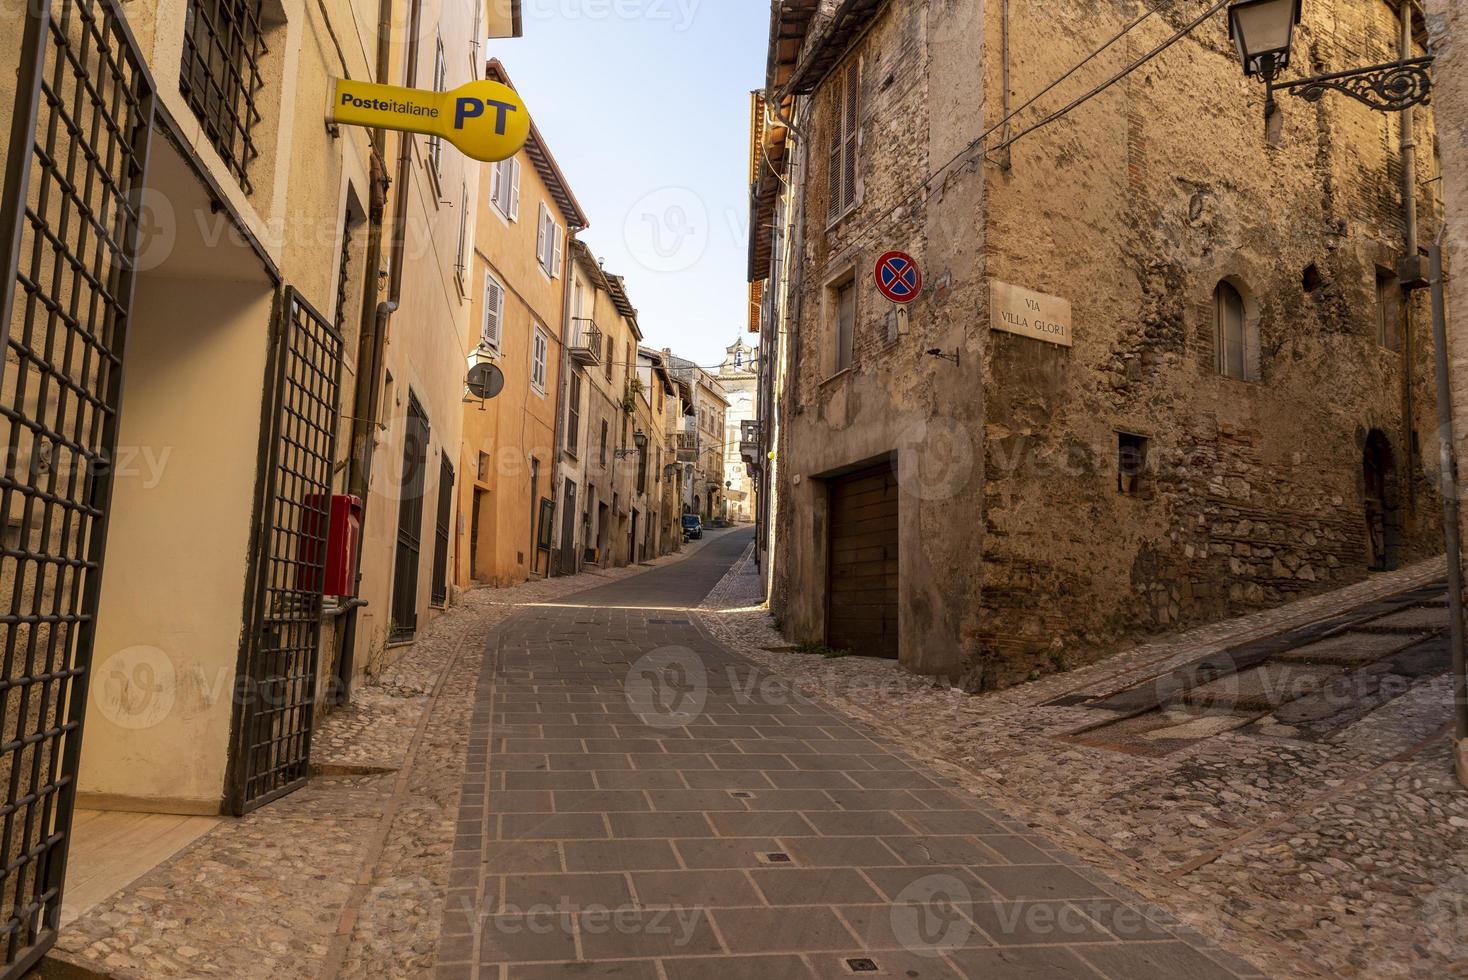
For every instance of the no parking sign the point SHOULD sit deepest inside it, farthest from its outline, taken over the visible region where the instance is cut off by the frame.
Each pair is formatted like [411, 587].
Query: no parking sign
[898, 277]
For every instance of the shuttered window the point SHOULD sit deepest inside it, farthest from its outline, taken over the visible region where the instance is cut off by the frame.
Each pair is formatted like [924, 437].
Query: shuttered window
[573, 416]
[440, 82]
[504, 191]
[550, 243]
[842, 175]
[494, 312]
[461, 267]
[538, 353]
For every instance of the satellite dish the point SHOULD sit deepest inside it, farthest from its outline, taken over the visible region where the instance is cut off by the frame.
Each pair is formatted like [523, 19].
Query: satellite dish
[485, 381]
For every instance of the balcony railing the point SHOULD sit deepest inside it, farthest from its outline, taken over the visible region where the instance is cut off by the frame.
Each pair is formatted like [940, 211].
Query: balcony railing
[585, 344]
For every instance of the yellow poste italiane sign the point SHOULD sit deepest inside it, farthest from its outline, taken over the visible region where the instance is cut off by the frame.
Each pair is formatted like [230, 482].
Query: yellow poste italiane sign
[485, 120]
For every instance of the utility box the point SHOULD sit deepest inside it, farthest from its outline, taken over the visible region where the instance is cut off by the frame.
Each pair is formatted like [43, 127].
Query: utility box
[343, 515]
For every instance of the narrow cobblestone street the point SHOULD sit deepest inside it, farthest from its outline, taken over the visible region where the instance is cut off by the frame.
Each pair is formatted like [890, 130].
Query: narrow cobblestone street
[638, 802]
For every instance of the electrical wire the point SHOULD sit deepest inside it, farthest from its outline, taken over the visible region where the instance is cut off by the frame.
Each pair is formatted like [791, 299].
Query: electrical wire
[1119, 76]
[871, 225]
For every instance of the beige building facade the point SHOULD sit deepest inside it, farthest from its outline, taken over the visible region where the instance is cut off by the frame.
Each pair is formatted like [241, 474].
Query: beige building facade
[739, 378]
[601, 517]
[219, 310]
[526, 215]
[1141, 389]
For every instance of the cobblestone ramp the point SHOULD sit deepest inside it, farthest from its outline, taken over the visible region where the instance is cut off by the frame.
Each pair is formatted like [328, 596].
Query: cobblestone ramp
[641, 803]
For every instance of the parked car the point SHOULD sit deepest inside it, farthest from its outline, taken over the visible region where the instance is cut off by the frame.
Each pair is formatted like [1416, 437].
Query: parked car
[692, 527]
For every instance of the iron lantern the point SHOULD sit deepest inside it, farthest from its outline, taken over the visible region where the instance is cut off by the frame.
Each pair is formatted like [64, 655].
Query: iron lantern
[1263, 31]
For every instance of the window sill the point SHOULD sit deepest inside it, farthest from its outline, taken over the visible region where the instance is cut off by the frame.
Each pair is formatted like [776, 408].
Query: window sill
[839, 374]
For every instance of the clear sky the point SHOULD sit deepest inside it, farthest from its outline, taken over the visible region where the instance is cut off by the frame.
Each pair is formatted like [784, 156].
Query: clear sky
[645, 105]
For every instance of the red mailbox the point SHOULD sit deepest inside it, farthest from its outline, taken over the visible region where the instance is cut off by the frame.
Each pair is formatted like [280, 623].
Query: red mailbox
[343, 515]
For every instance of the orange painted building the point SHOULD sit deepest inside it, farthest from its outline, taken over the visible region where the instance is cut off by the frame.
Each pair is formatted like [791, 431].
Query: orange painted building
[527, 217]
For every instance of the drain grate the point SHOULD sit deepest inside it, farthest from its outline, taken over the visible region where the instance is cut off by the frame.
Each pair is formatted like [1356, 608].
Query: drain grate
[862, 964]
[776, 857]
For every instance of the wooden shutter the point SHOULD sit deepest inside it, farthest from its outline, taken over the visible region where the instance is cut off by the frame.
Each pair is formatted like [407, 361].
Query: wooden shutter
[845, 124]
[838, 145]
[514, 189]
[851, 128]
[573, 414]
[496, 171]
[558, 251]
[494, 311]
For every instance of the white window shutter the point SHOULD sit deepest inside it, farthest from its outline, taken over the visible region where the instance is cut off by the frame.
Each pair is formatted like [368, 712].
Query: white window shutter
[558, 252]
[542, 239]
[494, 311]
[494, 184]
[514, 189]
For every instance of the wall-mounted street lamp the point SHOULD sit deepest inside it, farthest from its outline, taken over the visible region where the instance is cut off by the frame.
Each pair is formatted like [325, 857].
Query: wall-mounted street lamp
[639, 439]
[1264, 30]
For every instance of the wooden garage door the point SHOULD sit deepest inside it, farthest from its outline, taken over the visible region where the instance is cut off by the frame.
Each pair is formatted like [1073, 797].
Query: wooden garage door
[862, 591]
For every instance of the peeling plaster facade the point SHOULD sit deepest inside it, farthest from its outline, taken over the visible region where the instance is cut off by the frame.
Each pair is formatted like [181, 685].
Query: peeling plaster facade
[1023, 547]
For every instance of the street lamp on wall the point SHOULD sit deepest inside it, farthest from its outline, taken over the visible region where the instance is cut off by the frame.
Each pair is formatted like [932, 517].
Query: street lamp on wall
[639, 440]
[1263, 31]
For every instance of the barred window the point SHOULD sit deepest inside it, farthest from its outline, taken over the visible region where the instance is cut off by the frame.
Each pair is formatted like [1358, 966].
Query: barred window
[220, 76]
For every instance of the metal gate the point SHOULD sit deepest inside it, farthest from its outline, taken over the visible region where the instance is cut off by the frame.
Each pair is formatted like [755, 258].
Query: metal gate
[410, 524]
[440, 592]
[75, 166]
[272, 731]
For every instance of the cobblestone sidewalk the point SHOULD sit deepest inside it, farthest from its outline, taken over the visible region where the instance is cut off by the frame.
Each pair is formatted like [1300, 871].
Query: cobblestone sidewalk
[1342, 856]
[345, 877]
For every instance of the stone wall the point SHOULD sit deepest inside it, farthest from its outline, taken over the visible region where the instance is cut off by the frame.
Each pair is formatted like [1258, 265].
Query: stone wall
[1019, 552]
[1135, 207]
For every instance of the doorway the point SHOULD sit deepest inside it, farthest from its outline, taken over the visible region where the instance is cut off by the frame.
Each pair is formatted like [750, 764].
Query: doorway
[862, 573]
[410, 524]
[1379, 476]
[568, 531]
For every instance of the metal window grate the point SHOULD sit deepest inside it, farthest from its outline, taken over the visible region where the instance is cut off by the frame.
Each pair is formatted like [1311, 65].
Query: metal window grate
[273, 728]
[220, 76]
[69, 223]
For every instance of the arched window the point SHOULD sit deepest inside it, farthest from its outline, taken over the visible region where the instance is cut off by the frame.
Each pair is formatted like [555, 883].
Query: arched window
[1232, 332]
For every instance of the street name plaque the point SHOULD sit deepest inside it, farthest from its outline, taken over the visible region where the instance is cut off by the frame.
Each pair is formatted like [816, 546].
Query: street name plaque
[1017, 310]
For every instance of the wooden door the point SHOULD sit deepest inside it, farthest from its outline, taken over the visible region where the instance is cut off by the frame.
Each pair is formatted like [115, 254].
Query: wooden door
[862, 609]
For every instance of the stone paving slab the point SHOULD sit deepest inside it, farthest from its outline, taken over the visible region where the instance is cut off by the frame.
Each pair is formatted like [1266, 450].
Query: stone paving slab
[1343, 855]
[690, 817]
[296, 889]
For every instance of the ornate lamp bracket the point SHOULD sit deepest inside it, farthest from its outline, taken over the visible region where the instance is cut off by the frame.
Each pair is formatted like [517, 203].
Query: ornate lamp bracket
[1390, 87]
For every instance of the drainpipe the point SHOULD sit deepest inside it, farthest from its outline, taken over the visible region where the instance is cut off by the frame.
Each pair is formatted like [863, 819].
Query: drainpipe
[367, 405]
[1410, 272]
[1409, 151]
[1008, 159]
[568, 324]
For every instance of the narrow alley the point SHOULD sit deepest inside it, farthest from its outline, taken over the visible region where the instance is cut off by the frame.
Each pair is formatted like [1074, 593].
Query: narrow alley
[667, 490]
